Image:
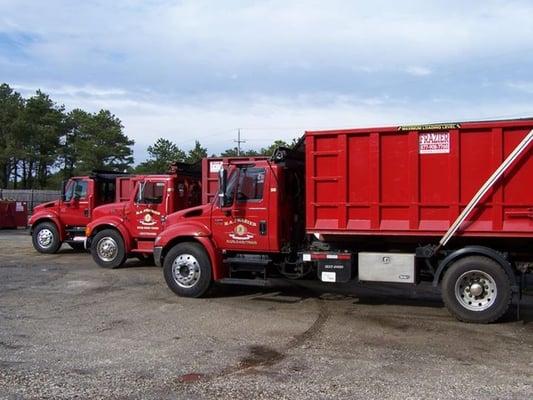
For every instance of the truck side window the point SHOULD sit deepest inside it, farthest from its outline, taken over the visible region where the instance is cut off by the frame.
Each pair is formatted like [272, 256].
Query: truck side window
[80, 190]
[76, 190]
[106, 191]
[151, 193]
[251, 183]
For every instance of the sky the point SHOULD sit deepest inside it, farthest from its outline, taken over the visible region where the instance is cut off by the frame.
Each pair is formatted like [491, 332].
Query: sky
[187, 70]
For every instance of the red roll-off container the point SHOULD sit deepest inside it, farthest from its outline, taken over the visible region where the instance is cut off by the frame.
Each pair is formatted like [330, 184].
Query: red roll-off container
[13, 214]
[416, 180]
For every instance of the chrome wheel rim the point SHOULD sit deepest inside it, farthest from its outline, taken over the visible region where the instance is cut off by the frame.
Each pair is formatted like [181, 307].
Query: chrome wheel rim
[45, 238]
[475, 290]
[107, 249]
[186, 270]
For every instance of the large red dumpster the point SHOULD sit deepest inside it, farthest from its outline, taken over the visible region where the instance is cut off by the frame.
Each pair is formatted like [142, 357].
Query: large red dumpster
[416, 180]
[13, 214]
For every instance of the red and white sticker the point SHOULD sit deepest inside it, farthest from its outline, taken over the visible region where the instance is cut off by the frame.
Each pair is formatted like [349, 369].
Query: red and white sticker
[434, 143]
[215, 166]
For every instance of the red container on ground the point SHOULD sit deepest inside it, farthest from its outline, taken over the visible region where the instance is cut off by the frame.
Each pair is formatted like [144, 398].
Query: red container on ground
[13, 214]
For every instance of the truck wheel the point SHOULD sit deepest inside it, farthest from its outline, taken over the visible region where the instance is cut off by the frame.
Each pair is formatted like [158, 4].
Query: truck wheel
[476, 289]
[45, 238]
[187, 270]
[107, 249]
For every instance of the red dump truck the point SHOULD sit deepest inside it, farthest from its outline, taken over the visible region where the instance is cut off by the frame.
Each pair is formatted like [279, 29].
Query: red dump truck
[64, 220]
[447, 203]
[129, 228]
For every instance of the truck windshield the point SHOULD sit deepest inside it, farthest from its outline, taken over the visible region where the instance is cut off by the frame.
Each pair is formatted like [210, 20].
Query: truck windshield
[68, 190]
[230, 188]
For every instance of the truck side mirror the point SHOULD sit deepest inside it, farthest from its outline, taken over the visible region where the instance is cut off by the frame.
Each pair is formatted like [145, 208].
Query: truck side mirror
[222, 186]
[63, 187]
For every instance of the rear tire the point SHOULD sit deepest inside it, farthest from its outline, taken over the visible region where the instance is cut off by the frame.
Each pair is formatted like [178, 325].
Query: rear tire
[45, 238]
[107, 249]
[187, 270]
[476, 289]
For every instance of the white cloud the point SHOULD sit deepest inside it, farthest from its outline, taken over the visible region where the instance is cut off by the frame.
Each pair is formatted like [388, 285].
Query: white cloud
[214, 119]
[526, 87]
[417, 70]
[199, 68]
[71, 90]
[166, 36]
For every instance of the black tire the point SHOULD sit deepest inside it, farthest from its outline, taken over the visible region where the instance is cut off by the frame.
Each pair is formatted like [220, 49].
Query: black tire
[495, 284]
[109, 237]
[194, 256]
[77, 246]
[45, 238]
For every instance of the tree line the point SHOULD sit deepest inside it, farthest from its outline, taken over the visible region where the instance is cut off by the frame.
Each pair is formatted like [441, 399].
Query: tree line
[163, 152]
[42, 144]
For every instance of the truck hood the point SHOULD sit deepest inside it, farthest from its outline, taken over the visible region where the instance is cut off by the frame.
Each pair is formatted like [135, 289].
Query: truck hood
[46, 206]
[181, 215]
[109, 209]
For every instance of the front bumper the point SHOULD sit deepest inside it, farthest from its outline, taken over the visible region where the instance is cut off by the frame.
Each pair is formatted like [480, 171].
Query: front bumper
[157, 255]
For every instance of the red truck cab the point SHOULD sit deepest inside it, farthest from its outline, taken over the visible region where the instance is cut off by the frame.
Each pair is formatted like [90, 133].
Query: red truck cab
[64, 220]
[128, 228]
[256, 218]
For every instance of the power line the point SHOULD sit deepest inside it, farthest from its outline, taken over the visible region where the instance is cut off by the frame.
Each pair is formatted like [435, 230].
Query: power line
[239, 141]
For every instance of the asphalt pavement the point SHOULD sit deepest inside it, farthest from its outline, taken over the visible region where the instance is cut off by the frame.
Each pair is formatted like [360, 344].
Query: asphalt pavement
[70, 329]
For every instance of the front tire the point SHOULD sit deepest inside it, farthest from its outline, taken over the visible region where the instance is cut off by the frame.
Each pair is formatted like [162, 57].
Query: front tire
[476, 289]
[108, 250]
[45, 238]
[187, 270]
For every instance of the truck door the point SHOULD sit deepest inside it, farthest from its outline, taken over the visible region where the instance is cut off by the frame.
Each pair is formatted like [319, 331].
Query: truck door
[75, 210]
[243, 226]
[149, 205]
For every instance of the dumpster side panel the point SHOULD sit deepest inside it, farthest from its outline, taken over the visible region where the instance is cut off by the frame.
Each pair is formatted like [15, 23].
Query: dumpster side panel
[13, 214]
[388, 181]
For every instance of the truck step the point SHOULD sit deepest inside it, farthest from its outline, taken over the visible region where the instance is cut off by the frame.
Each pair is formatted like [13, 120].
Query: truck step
[248, 263]
[247, 268]
[76, 230]
[246, 282]
[248, 260]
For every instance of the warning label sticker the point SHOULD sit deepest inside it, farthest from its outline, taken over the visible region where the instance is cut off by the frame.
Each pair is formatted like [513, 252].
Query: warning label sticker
[434, 143]
[215, 166]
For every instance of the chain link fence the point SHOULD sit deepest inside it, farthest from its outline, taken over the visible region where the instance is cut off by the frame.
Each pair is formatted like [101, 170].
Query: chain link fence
[31, 197]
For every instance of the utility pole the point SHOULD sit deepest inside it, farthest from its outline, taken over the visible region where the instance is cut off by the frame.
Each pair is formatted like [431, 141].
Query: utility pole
[239, 141]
